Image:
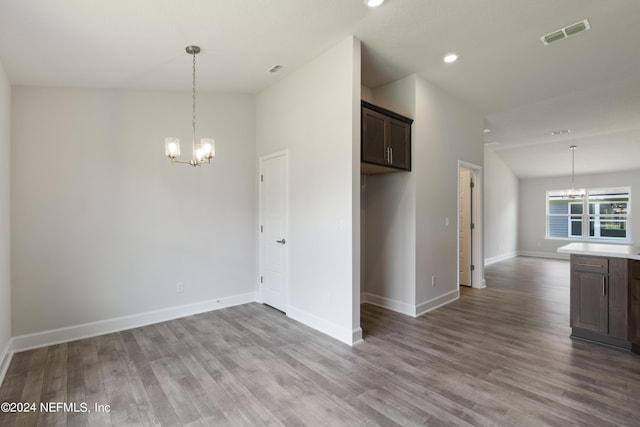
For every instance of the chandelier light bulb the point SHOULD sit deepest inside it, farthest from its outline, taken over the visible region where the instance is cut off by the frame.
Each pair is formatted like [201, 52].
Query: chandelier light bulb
[172, 147]
[373, 3]
[208, 147]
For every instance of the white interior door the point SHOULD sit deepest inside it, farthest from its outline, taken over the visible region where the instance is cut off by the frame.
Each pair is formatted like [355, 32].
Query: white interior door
[465, 227]
[274, 208]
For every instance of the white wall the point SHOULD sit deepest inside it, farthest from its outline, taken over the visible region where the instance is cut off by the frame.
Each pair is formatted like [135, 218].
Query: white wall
[5, 229]
[447, 130]
[407, 241]
[532, 208]
[500, 209]
[104, 226]
[314, 113]
[390, 217]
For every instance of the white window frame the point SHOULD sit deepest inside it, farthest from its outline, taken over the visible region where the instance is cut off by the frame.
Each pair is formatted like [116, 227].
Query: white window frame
[573, 218]
[587, 198]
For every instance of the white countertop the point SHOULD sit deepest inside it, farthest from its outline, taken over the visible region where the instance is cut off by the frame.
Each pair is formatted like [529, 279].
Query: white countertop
[601, 249]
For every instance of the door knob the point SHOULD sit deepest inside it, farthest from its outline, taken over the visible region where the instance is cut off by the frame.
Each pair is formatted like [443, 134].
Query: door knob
[283, 241]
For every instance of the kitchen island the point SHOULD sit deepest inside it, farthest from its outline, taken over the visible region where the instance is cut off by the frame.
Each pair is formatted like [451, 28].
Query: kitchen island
[605, 294]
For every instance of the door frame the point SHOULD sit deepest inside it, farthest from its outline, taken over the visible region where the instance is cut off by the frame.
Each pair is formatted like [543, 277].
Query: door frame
[261, 160]
[465, 212]
[477, 218]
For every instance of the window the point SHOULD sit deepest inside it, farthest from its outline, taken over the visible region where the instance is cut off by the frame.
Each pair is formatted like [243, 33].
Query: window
[597, 214]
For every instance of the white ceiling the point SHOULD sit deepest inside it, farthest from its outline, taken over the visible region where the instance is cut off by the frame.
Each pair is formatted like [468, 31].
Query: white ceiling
[589, 83]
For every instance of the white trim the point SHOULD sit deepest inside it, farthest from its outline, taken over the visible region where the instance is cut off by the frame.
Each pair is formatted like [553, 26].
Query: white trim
[408, 309]
[498, 258]
[87, 330]
[536, 254]
[356, 336]
[5, 359]
[481, 285]
[437, 302]
[389, 304]
[477, 249]
[347, 336]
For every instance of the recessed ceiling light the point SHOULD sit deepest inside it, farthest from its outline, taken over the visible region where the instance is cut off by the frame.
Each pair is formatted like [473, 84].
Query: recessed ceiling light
[450, 57]
[276, 68]
[486, 130]
[373, 3]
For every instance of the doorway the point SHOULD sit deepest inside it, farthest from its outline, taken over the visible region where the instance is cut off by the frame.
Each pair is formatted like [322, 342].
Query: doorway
[465, 227]
[274, 227]
[470, 255]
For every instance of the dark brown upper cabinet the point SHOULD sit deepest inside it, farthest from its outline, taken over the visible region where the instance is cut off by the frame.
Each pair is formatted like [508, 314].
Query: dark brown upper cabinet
[385, 140]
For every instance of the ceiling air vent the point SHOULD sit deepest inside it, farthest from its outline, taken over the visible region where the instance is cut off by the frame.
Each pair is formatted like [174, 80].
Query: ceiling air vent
[565, 32]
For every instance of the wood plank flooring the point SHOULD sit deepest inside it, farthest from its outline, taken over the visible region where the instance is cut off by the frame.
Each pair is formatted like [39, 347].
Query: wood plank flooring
[498, 356]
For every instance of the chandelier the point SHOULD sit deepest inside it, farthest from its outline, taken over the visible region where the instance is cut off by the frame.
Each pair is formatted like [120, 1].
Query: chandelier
[203, 151]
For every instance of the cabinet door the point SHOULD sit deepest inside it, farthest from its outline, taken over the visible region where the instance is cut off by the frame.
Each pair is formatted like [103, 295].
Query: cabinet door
[589, 301]
[399, 142]
[373, 137]
[633, 330]
[618, 297]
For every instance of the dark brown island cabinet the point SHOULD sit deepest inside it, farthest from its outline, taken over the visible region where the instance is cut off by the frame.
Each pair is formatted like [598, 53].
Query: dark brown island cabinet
[605, 300]
[385, 141]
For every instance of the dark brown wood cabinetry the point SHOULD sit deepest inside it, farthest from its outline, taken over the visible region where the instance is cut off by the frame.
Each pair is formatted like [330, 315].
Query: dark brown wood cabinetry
[385, 140]
[633, 330]
[599, 299]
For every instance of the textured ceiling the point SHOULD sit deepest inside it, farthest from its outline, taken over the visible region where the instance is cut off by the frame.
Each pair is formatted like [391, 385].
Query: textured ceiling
[589, 83]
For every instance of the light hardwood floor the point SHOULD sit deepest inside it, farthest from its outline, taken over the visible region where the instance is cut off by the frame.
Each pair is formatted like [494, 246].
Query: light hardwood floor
[498, 356]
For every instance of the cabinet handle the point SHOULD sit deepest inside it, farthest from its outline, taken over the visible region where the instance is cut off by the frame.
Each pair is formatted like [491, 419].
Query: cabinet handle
[589, 265]
[604, 286]
[386, 154]
[391, 155]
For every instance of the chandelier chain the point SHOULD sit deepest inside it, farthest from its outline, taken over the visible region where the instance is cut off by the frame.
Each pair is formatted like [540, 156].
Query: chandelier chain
[193, 120]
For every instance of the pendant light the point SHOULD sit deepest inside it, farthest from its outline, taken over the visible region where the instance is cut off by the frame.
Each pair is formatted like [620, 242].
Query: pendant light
[203, 151]
[572, 193]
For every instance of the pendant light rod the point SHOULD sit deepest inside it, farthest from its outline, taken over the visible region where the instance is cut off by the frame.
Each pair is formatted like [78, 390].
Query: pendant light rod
[202, 152]
[572, 193]
[573, 163]
[193, 50]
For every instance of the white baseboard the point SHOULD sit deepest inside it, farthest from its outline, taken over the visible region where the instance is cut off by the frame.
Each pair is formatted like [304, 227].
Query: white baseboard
[552, 255]
[408, 309]
[389, 304]
[498, 258]
[437, 302]
[87, 330]
[356, 336]
[347, 336]
[5, 359]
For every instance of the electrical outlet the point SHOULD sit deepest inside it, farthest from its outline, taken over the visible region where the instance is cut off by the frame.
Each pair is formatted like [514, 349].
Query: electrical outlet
[433, 280]
[180, 287]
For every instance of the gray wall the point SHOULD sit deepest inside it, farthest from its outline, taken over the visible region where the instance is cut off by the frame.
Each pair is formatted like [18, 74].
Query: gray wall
[104, 226]
[501, 188]
[448, 130]
[314, 114]
[390, 214]
[532, 208]
[5, 227]
[407, 239]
